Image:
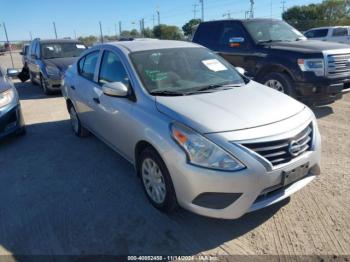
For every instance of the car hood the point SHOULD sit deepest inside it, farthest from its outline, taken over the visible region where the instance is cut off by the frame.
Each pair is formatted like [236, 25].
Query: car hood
[307, 46]
[61, 63]
[239, 108]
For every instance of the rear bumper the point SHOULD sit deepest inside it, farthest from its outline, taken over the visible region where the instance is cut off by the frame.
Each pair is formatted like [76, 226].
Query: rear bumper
[11, 121]
[54, 84]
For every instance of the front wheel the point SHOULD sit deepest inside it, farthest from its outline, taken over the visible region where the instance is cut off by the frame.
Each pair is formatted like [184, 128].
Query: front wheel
[44, 86]
[156, 181]
[280, 82]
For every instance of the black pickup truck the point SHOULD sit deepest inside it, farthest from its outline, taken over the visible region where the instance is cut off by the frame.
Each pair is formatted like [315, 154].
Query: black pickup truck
[279, 56]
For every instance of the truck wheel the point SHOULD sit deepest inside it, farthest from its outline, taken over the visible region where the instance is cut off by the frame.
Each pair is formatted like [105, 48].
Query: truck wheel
[156, 181]
[281, 82]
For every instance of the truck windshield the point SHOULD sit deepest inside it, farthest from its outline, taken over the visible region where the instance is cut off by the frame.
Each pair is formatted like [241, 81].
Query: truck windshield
[182, 71]
[60, 50]
[272, 31]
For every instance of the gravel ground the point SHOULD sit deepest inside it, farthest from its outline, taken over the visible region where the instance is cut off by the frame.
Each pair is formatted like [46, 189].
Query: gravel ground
[64, 195]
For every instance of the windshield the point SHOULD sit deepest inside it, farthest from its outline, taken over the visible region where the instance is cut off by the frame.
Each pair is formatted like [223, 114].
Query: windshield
[60, 50]
[183, 70]
[273, 30]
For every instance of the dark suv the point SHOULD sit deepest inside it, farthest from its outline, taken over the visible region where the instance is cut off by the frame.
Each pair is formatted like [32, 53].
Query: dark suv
[49, 59]
[277, 55]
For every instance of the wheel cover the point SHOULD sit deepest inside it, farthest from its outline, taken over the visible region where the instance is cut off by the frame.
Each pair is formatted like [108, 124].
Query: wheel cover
[74, 120]
[275, 84]
[153, 181]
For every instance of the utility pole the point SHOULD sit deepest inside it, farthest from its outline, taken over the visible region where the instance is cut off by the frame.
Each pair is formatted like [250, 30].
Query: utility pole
[194, 10]
[158, 14]
[101, 32]
[251, 8]
[120, 28]
[54, 29]
[246, 14]
[75, 34]
[30, 35]
[283, 5]
[115, 29]
[202, 4]
[153, 19]
[227, 14]
[142, 27]
[7, 41]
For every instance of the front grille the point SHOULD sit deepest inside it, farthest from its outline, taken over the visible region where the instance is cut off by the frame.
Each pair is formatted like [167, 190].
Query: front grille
[338, 64]
[282, 151]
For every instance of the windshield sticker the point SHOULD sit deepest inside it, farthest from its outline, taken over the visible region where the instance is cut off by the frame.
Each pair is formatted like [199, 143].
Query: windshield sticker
[156, 75]
[214, 65]
[80, 46]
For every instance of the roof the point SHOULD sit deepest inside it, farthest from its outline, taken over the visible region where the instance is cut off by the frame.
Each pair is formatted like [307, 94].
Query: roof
[243, 20]
[151, 44]
[328, 27]
[50, 41]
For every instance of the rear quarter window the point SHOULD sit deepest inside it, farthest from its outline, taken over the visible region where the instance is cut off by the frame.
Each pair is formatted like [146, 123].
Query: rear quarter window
[208, 34]
[317, 33]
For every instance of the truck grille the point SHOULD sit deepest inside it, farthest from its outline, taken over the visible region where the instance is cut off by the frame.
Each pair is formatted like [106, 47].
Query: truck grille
[282, 151]
[338, 64]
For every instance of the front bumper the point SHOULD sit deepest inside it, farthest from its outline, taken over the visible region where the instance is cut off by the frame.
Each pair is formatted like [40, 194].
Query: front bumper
[11, 120]
[54, 83]
[230, 195]
[321, 90]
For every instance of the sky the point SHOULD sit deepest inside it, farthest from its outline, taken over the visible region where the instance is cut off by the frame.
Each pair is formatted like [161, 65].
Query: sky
[34, 18]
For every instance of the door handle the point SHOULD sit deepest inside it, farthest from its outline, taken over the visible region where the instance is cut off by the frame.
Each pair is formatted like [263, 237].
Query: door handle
[72, 87]
[96, 100]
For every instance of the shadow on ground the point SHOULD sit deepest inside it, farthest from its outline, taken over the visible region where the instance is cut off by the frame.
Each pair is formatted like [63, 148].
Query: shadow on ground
[322, 111]
[60, 194]
[28, 91]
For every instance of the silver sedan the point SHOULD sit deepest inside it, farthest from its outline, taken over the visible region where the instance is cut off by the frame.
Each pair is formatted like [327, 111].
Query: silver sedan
[200, 134]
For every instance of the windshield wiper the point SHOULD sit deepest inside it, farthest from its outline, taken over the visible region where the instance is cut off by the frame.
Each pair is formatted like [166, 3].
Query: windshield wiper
[166, 93]
[217, 86]
[271, 41]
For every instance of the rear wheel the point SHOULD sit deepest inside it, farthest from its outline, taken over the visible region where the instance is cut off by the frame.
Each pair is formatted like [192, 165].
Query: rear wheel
[156, 180]
[280, 82]
[78, 129]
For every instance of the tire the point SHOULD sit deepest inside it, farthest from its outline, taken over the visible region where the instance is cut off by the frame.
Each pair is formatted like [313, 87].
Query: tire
[78, 129]
[32, 79]
[44, 86]
[166, 200]
[283, 83]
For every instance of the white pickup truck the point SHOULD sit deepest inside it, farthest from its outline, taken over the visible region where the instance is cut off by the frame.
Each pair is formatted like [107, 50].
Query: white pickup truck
[340, 34]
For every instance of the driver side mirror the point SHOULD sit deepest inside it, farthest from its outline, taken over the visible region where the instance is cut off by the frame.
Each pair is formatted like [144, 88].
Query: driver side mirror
[240, 70]
[12, 72]
[116, 89]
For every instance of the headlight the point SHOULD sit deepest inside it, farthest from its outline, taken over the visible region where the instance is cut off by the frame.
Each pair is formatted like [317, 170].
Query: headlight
[52, 71]
[202, 152]
[7, 97]
[313, 65]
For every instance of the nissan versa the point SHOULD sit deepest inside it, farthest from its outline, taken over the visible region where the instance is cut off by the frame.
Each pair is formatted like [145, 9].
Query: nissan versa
[198, 133]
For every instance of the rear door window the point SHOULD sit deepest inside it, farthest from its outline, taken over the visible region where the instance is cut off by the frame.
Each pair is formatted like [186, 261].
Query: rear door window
[208, 34]
[342, 31]
[232, 34]
[87, 65]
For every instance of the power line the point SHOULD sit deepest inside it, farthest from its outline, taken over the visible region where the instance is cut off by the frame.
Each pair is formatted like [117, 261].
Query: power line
[202, 5]
[194, 10]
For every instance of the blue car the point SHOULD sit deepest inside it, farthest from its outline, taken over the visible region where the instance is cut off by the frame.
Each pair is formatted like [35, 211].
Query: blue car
[11, 118]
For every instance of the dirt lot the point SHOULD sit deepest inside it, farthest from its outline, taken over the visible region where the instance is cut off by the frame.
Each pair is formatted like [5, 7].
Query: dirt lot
[60, 194]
